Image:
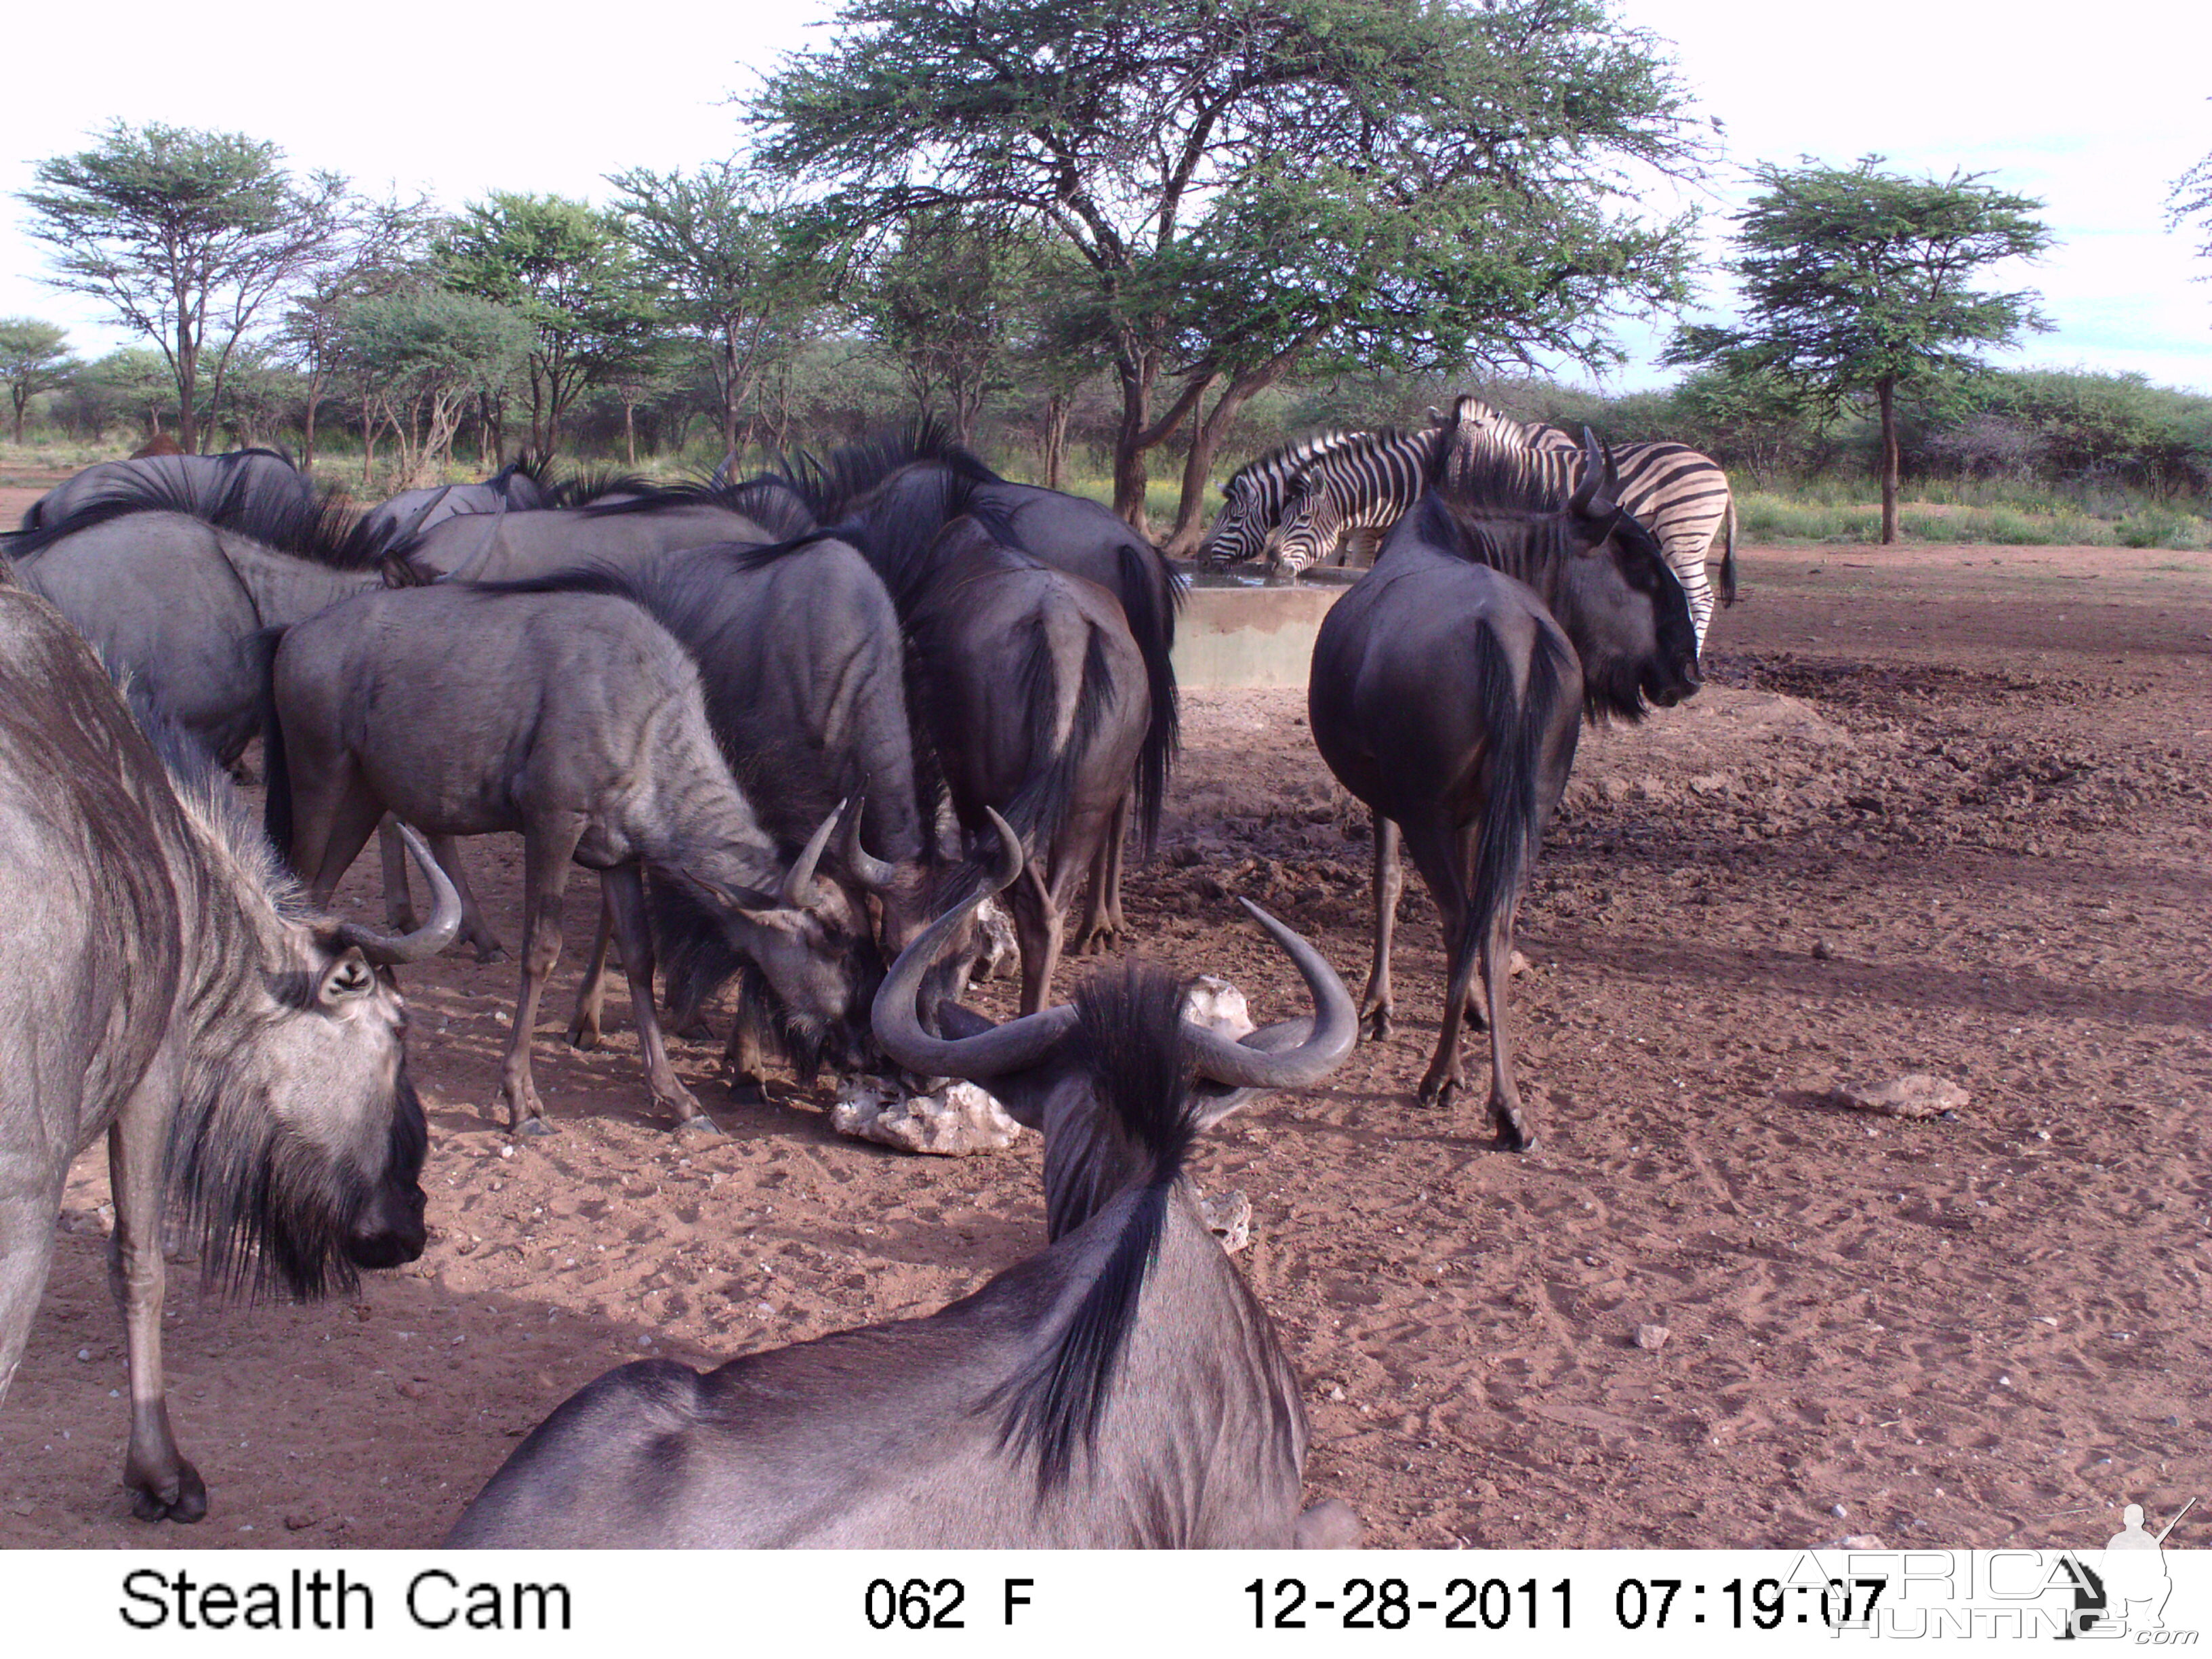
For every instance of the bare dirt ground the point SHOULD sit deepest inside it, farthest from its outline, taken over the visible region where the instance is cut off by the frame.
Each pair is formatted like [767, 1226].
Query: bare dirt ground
[1940, 810]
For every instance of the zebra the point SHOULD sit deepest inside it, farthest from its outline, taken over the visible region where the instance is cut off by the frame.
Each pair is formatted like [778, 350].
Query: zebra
[1254, 497]
[1681, 496]
[1354, 492]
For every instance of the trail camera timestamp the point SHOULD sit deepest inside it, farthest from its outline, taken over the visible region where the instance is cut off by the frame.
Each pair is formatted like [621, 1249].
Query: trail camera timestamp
[1395, 1604]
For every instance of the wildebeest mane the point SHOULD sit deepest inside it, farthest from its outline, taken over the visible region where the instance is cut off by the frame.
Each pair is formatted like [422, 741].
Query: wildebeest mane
[326, 530]
[1129, 1043]
[1489, 478]
[834, 485]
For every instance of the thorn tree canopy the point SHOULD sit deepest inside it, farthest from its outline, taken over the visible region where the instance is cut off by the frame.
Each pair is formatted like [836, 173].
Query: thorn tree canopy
[180, 231]
[34, 357]
[1856, 282]
[1247, 181]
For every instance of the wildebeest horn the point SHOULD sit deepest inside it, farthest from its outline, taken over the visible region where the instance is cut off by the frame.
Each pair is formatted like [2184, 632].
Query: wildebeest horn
[798, 880]
[1335, 1027]
[868, 870]
[1013, 1046]
[390, 950]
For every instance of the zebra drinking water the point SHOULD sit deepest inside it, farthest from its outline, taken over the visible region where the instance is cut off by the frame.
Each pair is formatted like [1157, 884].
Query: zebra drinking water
[1254, 498]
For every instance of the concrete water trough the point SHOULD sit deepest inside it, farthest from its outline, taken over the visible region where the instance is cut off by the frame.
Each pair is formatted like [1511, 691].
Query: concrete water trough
[1237, 635]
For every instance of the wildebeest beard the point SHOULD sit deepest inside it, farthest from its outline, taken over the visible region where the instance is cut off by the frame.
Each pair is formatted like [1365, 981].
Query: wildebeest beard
[270, 1206]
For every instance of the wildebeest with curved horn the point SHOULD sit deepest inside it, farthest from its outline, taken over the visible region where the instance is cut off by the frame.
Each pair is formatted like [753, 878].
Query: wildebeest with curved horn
[198, 484]
[161, 983]
[1121, 1389]
[1446, 693]
[804, 670]
[179, 587]
[926, 473]
[577, 719]
[1030, 690]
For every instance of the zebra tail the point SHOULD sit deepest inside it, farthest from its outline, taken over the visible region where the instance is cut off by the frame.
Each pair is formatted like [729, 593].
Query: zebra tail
[1727, 553]
[1511, 824]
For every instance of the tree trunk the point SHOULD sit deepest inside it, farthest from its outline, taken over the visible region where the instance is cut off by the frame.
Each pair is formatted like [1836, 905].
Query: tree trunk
[188, 424]
[1885, 391]
[1137, 371]
[630, 430]
[307, 430]
[1056, 408]
[21, 398]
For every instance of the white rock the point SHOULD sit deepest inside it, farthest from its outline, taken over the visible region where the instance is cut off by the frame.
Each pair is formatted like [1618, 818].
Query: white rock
[1214, 1003]
[1652, 1338]
[1916, 1095]
[956, 1120]
[1229, 1218]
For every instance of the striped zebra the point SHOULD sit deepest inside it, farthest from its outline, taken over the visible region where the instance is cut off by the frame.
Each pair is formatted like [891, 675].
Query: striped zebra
[1353, 492]
[1681, 496]
[1254, 497]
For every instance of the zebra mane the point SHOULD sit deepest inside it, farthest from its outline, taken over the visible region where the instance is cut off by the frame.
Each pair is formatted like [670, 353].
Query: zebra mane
[1290, 457]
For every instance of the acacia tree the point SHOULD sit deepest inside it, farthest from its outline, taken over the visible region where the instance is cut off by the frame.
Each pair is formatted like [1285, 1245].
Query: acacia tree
[732, 254]
[945, 303]
[566, 268]
[34, 357]
[1858, 284]
[181, 231]
[1188, 149]
[379, 248]
[421, 356]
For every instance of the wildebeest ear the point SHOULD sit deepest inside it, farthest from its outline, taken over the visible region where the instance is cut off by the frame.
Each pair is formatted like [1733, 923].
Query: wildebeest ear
[1215, 1100]
[347, 979]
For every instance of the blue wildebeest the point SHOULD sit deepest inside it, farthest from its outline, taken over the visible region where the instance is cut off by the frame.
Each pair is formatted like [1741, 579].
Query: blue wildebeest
[803, 671]
[198, 484]
[1030, 689]
[617, 521]
[577, 719]
[924, 479]
[1446, 693]
[161, 983]
[178, 588]
[1121, 1389]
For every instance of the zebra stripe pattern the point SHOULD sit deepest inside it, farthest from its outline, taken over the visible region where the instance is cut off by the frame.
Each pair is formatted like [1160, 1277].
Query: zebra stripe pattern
[1255, 497]
[1353, 492]
[1681, 496]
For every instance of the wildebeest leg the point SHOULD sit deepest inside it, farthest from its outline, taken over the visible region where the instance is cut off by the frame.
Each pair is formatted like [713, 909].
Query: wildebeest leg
[26, 1250]
[1505, 1113]
[1445, 857]
[1102, 921]
[475, 930]
[583, 1023]
[162, 1485]
[623, 895]
[1039, 927]
[1377, 1006]
[548, 845]
[398, 901]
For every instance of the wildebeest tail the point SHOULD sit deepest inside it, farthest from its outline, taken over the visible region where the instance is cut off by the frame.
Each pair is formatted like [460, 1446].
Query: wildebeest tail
[1150, 606]
[1514, 760]
[1130, 1020]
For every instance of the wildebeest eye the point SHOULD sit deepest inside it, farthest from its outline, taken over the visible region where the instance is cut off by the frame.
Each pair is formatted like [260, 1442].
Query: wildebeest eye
[350, 977]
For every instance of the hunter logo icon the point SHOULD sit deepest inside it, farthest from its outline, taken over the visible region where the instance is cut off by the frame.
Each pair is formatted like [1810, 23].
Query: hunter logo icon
[2127, 1591]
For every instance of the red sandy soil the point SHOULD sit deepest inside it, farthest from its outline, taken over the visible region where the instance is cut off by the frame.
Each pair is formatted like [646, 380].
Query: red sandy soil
[1940, 810]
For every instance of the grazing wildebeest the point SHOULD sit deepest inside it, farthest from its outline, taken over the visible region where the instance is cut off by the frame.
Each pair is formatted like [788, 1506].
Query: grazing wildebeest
[161, 983]
[1446, 691]
[577, 719]
[193, 484]
[1030, 690]
[1123, 1388]
[926, 473]
[179, 587]
[804, 670]
[626, 523]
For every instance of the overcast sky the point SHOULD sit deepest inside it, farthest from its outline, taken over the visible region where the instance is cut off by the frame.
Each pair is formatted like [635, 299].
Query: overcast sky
[2095, 118]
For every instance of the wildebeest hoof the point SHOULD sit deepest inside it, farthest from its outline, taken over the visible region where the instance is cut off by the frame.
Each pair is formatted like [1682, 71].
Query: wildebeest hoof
[584, 1035]
[534, 1127]
[491, 951]
[1375, 1025]
[699, 1127]
[1438, 1090]
[181, 1498]
[1512, 1133]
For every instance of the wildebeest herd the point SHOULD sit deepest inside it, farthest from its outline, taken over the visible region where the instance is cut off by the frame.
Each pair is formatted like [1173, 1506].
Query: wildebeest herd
[803, 726]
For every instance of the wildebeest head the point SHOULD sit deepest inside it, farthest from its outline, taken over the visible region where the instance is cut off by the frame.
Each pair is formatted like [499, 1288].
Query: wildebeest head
[1612, 589]
[1046, 1071]
[300, 1142]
